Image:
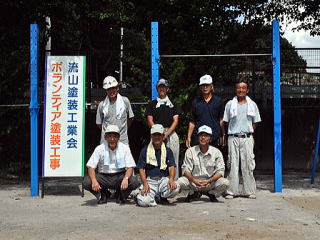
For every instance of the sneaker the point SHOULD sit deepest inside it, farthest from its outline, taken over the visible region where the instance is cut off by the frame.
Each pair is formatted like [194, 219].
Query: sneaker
[252, 196]
[228, 197]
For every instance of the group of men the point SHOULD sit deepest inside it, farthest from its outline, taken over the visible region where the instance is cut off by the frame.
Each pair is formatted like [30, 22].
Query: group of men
[111, 165]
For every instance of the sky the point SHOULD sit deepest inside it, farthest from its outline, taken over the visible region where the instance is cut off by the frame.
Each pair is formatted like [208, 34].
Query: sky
[301, 39]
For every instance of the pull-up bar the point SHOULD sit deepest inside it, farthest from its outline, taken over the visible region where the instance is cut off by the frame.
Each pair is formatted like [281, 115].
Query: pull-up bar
[155, 61]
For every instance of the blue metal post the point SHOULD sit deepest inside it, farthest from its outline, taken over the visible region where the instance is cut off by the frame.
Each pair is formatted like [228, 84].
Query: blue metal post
[155, 59]
[316, 154]
[277, 107]
[34, 107]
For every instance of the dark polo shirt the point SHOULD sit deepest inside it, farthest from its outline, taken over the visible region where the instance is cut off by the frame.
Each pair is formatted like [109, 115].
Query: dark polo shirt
[152, 171]
[207, 113]
[163, 114]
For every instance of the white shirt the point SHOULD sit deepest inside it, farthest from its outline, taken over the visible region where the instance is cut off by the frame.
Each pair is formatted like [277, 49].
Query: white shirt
[242, 122]
[97, 158]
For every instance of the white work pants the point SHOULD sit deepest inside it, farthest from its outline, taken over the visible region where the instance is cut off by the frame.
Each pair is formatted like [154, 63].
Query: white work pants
[241, 150]
[157, 187]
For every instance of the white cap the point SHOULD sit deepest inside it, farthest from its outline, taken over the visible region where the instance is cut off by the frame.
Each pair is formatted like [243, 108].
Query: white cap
[162, 82]
[206, 79]
[112, 129]
[205, 129]
[109, 82]
[157, 128]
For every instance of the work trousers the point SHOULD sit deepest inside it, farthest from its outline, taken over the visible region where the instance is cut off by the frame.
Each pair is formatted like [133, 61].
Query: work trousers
[157, 187]
[111, 181]
[241, 150]
[216, 188]
[172, 142]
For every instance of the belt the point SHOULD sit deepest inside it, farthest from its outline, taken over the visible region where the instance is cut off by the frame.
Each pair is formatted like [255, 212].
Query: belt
[245, 135]
[157, 178]
[114, 174]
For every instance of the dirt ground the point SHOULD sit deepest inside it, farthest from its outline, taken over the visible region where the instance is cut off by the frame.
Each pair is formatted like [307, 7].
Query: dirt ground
[63, 214]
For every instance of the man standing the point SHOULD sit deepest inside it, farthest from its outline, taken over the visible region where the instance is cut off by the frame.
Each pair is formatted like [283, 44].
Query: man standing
[115, 167]
[163, 111]
[206, 110]
[242, 115]
[203, 169]
[115, 110]
[157, 170]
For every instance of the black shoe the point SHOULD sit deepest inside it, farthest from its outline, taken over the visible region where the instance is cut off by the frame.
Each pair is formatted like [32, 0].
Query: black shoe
[163, 201]
[193, 196]
[212, 197]
[119, 198]
[103, 199]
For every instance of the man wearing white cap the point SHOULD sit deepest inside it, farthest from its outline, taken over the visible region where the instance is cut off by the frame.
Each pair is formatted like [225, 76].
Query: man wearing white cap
[203, 169]
[206, 110]
[115, 110]
[157, 170]
[163, 111]
[115, 167]
[241, 115]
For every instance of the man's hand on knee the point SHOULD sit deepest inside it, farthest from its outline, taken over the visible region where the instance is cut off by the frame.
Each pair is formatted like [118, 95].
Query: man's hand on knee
[172, 185]
[145, 189]
[124, 184]
[96, 186]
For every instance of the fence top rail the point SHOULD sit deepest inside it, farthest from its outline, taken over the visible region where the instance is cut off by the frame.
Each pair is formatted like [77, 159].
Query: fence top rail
[216, 55]
[41, 104]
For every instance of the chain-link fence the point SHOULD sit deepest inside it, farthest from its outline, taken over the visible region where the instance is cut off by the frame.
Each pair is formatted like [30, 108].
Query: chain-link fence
[300, 103]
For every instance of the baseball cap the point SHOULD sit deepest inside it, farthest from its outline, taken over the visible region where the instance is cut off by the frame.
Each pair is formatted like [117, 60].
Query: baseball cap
[205, 79]
[109, 82]
[112, 129]
[162, 82]
[157, 128]
[205, 129]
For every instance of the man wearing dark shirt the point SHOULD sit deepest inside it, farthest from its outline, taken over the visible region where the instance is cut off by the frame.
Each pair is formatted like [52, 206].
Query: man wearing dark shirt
[206, 110]
[157, 170]
[163, 111]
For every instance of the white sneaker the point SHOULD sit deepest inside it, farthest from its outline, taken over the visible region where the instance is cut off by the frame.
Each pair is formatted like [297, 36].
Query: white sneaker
[252, 196]
[229, 197]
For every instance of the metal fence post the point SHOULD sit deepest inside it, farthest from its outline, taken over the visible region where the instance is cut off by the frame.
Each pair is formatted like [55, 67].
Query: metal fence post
[316, 154]
[277, 107]
[155, 59]
[34, 107]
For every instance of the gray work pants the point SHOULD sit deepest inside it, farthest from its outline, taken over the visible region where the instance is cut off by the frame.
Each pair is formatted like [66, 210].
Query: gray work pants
[216, 188]
[157, 187]
[241, 149]
[172, 142]
[111, 181]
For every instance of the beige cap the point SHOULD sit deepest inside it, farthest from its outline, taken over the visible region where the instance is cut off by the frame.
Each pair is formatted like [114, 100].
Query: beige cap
[157, 128]
[112, 129]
